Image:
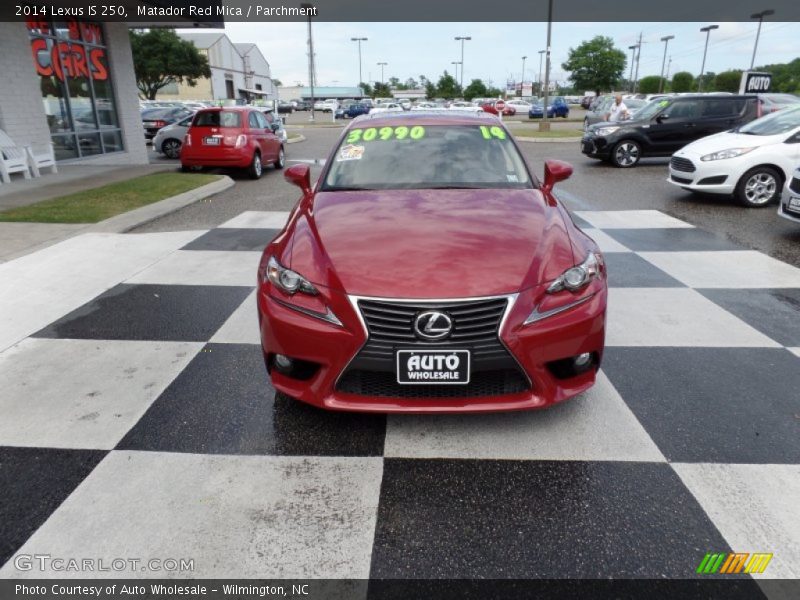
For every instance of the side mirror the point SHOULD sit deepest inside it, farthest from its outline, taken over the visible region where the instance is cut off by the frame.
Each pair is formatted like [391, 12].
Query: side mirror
[299, 175]
[275, 126]
[661, 118]
[555, 171]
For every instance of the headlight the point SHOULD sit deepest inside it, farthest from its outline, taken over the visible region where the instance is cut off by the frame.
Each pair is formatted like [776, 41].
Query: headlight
[575, 278]
[605, 130]
[729, 153]
[287, 280]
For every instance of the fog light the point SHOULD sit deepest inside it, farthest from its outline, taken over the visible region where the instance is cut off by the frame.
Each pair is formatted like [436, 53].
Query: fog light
[283, 363]
[583, 359]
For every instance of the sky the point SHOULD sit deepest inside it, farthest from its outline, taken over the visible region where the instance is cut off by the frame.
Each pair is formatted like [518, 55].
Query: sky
[496, 49]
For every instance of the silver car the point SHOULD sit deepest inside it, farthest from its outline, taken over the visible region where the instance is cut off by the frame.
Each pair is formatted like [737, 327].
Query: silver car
[789, 207]
[599, 114]
[168, 140]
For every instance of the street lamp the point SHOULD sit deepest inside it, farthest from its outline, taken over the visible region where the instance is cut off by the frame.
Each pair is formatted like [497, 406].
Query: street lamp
[708, 29]
[633, 59]
[309, 11]
[760, 16]
[462, 39]
[359, 40]
[539, 81]
[381, 65]
[522, 82]
[456, 63]
[666, 40]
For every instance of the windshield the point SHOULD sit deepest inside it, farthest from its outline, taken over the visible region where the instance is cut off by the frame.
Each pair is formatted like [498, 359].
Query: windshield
[218, 118]
[429, 157]
[652, 108]
[774, 123]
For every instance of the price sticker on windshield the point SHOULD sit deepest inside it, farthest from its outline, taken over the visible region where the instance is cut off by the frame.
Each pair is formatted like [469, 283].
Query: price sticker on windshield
[385, 134]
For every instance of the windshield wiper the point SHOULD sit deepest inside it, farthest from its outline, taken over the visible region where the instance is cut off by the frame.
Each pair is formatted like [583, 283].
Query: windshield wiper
[347, 189]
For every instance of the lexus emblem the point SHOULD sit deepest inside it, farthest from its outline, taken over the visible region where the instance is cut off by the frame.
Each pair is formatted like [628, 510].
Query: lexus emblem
[433, 325]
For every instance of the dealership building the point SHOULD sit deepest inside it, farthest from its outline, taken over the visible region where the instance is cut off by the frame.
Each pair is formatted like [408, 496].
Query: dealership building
[71, 82]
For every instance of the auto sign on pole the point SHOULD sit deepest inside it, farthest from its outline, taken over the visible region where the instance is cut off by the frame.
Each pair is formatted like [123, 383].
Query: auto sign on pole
[500, 105]
[753, 82]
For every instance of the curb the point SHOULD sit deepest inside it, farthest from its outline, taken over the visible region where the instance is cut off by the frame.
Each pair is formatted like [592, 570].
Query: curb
[300, 138]
[151, 212]
[548, 140]
[134, 218]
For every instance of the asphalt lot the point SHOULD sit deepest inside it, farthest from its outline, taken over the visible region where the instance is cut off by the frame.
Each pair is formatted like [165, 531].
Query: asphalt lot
[595, 185]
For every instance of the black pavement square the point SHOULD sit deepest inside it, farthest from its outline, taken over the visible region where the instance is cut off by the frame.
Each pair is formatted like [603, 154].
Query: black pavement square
[233, 239]
[724, 405]
[775, 313]
[180, 313]
[626, 269]
[674, 239]
[34, 483]
[223, 403]
[528, 519]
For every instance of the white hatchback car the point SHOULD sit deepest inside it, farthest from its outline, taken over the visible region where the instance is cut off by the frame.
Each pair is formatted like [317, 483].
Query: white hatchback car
[168, 140]
[751, 162]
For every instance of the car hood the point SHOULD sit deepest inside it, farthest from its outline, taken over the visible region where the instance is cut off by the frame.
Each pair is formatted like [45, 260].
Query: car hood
[431, 243]
[725, 140]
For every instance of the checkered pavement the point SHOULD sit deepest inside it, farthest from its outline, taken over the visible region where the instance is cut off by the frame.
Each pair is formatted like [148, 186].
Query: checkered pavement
[137, 420]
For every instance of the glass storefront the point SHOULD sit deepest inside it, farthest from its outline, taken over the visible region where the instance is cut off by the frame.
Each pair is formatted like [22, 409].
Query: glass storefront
[72, 63]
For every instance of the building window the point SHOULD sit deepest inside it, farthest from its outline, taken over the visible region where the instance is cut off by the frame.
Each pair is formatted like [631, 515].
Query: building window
[72, 63]
[229, 89]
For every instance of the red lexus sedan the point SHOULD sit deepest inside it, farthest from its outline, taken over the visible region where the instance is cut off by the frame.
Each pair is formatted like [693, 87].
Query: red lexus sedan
[238, 137]
[428, 270]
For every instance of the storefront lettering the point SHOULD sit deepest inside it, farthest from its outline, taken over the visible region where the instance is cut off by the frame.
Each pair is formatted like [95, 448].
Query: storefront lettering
[74, 60]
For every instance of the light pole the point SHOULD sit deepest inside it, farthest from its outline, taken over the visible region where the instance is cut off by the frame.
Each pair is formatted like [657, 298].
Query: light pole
[462, 39]
[544, 124]
[666, 40]
[708, 29]
[633, 59]
[456, 63]
[760, 16]
[381, 65]
[522, 82]
[539, 81]
[310, 11]
[359, 40]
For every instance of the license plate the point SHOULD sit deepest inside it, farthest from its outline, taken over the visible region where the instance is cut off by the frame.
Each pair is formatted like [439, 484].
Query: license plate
[211, 141]
[794, 204]
[426, 367]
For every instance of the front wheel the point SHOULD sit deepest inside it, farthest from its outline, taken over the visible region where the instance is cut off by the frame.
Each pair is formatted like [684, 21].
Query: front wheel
[759, 187]
[280, 162]
[255, 169]
[626, 154]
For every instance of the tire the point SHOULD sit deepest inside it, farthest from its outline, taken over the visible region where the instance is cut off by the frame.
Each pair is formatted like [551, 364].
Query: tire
[280, 162]
[255, 169]
[185, 169]
[626, 154]
[759, 187]
[171, 148]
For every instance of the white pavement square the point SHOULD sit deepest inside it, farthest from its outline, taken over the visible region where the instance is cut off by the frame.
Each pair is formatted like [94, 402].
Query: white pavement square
[597, 425]
[726, 269]
[255, 219]
[242, 326]
[631, 219]
[44, 286]
[795, 351]
[94, 391]
[606, 242]
[203, 267]
[255, 516]
[675, 317]
[754, 507]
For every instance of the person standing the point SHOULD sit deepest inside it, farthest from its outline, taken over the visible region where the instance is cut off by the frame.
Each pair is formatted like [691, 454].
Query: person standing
[618, 110]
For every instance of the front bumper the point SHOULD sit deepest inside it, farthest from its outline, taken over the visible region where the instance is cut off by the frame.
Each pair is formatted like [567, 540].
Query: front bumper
[533, 348]
[595, 146]
[713, 177]
[783, 207]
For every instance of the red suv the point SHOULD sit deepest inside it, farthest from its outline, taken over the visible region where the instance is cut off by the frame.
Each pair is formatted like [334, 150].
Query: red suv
[236, 137]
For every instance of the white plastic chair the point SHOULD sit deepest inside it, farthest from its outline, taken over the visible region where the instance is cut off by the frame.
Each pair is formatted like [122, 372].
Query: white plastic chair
[32, 161]
[13, 159]
[46, 159]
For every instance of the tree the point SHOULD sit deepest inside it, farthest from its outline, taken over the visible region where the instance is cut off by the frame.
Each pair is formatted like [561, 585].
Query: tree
[475, 89]
[160, 58]
[595, 65]
[394, 82]
[682, 81]
[650, 84]
[707, 82]
[785, 76]
[727, 81]
[447, 87]
[430, 90]
[382, 90]
[366, 88]
[411, 83]
[277, 82]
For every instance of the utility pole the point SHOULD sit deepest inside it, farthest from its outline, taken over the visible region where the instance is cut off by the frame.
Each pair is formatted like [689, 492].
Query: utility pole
[707, 30]
[638, 60]
[544, 124]
[669, 64]
[760, 16]
[633, 59]
[381, 65]
[462, 39]
[310, 11]
[522, 83]
[359, 40]
[539, 81]
[666, 40]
